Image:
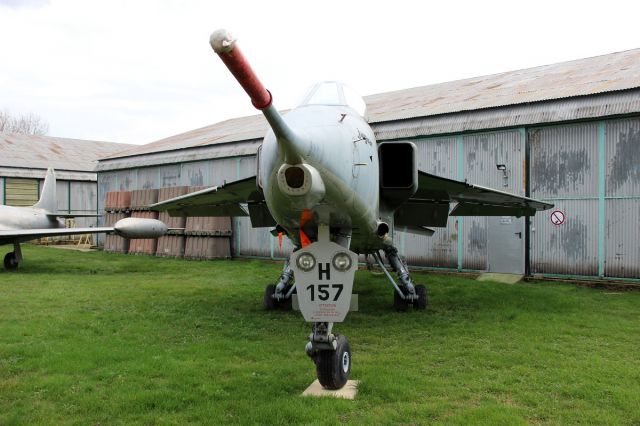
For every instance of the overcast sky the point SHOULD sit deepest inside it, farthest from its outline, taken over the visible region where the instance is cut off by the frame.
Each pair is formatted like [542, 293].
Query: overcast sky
[137, 71]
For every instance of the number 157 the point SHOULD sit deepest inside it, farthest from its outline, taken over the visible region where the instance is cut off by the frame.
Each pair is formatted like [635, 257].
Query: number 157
[324, 292]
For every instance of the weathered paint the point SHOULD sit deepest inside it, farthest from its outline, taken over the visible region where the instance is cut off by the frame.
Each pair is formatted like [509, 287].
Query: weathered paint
[83, 199]
[622, 193]
[196, 174]
[564, 164]
[564, 161]
[439, 156]
[570, 248]
[622, 249]
[623, 157]
[147, 178]
[62, 193]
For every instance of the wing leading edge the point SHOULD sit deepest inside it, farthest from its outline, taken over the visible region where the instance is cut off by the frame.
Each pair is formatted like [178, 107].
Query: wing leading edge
[32, 234]
[239, 198]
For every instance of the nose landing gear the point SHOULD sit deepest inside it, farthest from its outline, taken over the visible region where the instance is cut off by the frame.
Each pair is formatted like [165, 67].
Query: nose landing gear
[331, 354]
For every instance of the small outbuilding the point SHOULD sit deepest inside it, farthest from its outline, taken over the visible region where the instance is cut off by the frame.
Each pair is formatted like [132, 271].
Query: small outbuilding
[24, 160]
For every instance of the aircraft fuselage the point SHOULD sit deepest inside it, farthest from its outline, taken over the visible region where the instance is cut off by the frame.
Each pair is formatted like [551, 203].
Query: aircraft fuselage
[14, 218]
[335, 141]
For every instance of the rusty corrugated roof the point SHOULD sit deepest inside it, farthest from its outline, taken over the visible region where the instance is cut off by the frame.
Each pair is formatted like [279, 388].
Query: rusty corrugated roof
[233, 130]
[600, 74]
[42, 152]
[582, 77]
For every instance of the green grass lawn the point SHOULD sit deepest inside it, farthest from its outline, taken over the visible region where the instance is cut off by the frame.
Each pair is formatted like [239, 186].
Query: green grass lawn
[98, 338]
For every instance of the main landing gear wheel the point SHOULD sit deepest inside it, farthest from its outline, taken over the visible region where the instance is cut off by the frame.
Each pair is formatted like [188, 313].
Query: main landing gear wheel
[333, 367]
[271, 303]
[400, 304]
[419, 303]
[11, 261]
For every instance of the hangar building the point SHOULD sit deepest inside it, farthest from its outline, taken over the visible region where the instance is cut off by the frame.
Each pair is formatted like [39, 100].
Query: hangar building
[24, 160]
[567, 133]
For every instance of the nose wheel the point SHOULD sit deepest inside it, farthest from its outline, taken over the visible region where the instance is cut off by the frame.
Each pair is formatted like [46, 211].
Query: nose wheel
[331, 353]
[334, 366]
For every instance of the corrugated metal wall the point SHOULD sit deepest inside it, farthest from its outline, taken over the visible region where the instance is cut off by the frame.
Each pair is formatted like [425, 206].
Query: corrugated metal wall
[591, 172]
[473, 157]
[564, 171]
[482, 153]
[438, 156]
[84, 199]
[622, 193]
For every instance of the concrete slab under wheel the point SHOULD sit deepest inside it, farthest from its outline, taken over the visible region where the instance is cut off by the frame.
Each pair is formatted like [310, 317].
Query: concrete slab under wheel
[349, 390]
[501, 278]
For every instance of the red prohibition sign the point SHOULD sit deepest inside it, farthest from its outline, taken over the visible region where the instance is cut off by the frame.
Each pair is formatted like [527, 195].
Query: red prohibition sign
[557, 217]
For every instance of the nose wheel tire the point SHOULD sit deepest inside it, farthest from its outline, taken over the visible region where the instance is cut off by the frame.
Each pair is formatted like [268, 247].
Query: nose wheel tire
[11, 261]
[333, 367]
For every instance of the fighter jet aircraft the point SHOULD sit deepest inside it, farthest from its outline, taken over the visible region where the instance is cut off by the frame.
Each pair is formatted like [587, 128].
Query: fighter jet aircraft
[19, 224]
[324, 182]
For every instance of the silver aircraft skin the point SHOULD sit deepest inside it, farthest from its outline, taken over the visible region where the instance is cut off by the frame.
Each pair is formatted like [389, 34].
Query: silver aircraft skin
[20, 224]
[325, 183]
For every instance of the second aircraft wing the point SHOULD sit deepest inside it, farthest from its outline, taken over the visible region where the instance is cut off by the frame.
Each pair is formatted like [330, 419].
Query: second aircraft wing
[239, 198]
[429, 206]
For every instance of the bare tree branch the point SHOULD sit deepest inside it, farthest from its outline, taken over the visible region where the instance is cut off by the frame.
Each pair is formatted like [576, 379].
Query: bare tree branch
[31, 124]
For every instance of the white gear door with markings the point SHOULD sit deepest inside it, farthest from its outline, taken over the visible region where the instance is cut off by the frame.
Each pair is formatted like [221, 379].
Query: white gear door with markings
[324, 273]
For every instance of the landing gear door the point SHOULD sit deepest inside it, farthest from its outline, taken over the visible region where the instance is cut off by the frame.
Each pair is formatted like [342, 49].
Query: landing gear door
[324, 273]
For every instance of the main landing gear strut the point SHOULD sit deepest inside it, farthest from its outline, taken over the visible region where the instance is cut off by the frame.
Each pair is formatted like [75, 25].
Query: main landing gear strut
[279, 295]
[406, 293]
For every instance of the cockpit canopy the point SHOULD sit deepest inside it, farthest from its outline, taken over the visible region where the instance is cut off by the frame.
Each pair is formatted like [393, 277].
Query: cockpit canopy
[334, 93]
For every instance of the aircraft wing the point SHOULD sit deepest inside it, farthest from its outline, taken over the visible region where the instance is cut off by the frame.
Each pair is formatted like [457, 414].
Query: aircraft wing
[429, 206]
[32, 234]
[72, 215]
[475, 200]
[224, 200]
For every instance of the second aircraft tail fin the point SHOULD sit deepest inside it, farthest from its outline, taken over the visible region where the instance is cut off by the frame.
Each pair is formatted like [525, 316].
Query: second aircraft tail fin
[48, 200]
